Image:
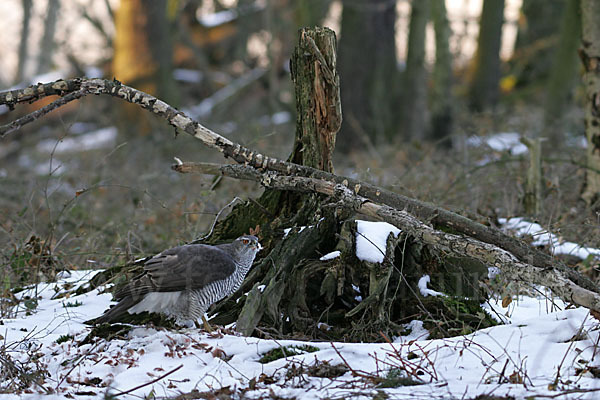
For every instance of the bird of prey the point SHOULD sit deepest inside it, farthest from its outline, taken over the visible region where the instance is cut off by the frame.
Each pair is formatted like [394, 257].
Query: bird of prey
[184, 281]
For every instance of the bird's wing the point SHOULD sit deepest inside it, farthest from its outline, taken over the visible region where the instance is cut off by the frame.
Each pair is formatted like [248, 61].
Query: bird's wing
[181, 268]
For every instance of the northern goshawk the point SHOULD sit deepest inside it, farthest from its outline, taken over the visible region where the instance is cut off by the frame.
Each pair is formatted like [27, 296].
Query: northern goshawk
[184, 281]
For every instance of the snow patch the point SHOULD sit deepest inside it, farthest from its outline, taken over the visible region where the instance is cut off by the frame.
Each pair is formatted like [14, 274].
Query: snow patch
[102, 138]
[534, 343]
[287, 231]
[542, 237]
[422, 284]
[507, 141]
[417, 332]
[371, 240]
[330, 256]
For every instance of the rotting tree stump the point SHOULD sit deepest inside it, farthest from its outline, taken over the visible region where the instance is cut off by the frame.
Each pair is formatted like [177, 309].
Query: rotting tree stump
[290, 292]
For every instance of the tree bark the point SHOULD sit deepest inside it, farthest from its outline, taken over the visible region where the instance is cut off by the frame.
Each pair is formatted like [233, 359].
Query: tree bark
[537, 36]
[318, 105]
[483, 90]
[143, 50]
[532, 200]
[442, 112]
[414, 109]
[318, 118]
[590, 55]
[562, 74]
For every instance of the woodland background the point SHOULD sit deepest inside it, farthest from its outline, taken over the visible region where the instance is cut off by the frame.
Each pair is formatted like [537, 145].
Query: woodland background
[424, 84]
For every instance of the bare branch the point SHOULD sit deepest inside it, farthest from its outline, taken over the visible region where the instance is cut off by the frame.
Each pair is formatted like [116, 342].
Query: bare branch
[489, 254]
[36, 92]
[19, 123]
[437, 216]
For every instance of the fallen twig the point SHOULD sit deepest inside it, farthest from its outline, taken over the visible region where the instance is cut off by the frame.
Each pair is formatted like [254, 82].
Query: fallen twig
[147, 383]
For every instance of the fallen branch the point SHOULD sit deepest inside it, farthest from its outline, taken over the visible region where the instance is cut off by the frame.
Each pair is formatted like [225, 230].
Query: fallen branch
[20, 122]
[520, 252]
[457, 245]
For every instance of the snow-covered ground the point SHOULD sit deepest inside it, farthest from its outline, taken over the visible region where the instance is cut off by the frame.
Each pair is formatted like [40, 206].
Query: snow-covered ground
[543, 349]
[543, 237]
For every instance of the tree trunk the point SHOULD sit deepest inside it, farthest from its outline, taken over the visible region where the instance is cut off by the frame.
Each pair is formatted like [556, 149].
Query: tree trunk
[590, 55]
[532, 198]
[535, 46]
[483, 90]
[27, 5]
[143, 49]
[368, 73]
[47, 43]
[562, 75]
[442, 112]
[143, 56]
[318, 105]
[414, 87]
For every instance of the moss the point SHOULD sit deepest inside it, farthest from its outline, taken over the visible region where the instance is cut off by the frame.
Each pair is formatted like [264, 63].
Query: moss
[286, 351]
[64, 338]
[396, 377]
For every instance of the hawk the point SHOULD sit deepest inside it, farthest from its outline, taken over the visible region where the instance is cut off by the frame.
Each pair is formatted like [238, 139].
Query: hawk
[183, 282]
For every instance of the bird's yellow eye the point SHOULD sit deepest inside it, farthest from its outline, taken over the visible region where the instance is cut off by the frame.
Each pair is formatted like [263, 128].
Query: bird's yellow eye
[245, 241]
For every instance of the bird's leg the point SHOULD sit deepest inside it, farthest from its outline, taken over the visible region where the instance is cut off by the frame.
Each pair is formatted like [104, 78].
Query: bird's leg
[207, 326]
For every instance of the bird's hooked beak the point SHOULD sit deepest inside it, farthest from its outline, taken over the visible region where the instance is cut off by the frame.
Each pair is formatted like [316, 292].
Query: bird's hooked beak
[258, 247]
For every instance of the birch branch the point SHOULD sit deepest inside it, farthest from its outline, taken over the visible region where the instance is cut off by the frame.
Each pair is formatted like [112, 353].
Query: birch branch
[437, 216]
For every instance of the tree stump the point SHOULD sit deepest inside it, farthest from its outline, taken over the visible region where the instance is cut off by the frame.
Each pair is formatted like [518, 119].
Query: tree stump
[291, 292]
[318, 118]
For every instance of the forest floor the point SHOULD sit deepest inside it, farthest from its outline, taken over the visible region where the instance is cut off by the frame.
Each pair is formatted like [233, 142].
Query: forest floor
[98, 198]
[543, 348]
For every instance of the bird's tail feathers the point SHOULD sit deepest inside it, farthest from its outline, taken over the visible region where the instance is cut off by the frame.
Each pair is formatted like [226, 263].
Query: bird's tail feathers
[113, 314]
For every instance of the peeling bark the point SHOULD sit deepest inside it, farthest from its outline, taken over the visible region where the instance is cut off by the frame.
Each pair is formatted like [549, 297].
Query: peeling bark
[318, 105]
